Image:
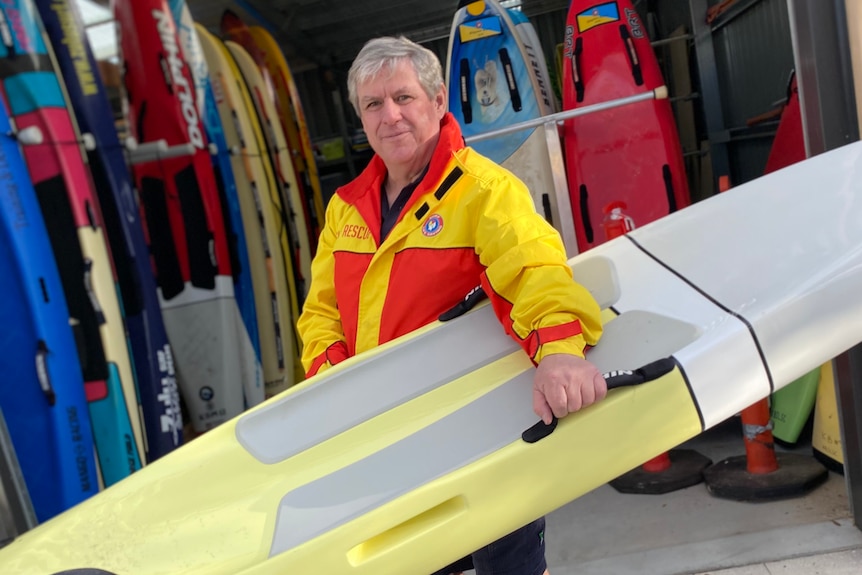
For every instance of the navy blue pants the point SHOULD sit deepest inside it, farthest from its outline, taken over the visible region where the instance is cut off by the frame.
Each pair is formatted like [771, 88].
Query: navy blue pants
[521, 552]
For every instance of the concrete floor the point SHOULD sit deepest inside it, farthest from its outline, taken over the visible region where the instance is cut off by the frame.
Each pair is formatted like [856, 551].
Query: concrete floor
[692, 532]
[839, 563]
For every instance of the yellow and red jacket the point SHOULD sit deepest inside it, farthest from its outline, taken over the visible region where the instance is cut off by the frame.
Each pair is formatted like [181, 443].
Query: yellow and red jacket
[468, 222]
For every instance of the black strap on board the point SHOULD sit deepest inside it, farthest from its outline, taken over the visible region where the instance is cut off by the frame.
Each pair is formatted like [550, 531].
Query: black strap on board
[668, 186]
[84, 312]
[162, 247]
[584, 201]
[199, 238]
[634, 61]
[576, 69]
[514, 94]
[464, 87]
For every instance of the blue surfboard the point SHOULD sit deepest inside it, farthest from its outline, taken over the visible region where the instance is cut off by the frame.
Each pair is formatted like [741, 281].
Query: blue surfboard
[491, 85]
[158, 393]
[42, 389]
[497, 76]
[32, 87]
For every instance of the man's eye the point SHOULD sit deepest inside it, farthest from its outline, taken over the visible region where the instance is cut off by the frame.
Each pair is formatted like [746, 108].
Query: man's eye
[371, 105]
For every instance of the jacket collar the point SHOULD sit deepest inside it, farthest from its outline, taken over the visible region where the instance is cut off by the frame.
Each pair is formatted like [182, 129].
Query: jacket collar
[364, 191]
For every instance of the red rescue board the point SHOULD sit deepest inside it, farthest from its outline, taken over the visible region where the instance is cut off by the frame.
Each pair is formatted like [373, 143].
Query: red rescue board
[628, 154]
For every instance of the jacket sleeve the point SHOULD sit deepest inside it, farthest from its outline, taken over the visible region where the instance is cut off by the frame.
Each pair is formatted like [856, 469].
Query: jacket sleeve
[527, 277]
[319, 325]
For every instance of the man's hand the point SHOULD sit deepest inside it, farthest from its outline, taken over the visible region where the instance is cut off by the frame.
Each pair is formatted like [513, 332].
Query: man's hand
[565, 383]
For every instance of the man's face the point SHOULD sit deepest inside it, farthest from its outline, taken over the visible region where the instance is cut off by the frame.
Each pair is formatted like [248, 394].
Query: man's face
[402, 123]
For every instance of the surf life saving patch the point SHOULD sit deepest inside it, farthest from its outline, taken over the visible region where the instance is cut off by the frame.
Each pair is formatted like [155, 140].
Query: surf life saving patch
[481, 28]
[598, 15]
[432, 225]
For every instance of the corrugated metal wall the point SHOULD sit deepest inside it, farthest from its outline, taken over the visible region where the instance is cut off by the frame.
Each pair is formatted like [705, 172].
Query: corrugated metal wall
[754, 59]
[753, 62]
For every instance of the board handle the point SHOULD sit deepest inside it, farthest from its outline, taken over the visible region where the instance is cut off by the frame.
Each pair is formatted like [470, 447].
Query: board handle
[667, 176]
[514, 94]
[200, 240]
[584, 202]
[415, 528]
[464, 84]
[634, 61]
[576, 69]
[614, 379]
[161, 236]
[42, 374]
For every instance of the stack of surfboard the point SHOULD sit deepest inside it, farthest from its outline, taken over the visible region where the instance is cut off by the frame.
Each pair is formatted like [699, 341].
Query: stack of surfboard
[138, 273]
[275, 292]
[249, 340]
[60, 440]
[281, 86]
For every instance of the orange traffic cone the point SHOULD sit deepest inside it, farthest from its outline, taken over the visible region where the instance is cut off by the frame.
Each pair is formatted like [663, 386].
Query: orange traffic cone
[761, 474]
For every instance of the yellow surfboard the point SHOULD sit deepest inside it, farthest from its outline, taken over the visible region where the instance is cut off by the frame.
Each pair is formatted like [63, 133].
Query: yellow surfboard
[247, 69]
[300, 492]
[94, 247]
[290, 110]
[826, 436]
[279, 156]
[261, 214]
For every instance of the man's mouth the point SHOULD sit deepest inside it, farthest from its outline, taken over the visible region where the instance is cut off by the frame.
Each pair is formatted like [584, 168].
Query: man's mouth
[393, 135]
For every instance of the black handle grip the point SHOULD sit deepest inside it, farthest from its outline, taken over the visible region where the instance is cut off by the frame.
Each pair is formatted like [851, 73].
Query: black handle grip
[634, 61]
[464, 87]
[584, 202]
[614, 379]
[667, 176]
[514, 93]
[576, 69]
[546, 207]
[42, 372]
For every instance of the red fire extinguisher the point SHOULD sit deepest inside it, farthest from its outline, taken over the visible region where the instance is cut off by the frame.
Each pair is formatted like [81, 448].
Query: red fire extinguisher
[616, 222]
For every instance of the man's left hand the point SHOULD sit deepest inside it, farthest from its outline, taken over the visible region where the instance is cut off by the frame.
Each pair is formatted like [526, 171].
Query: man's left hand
[565, 383]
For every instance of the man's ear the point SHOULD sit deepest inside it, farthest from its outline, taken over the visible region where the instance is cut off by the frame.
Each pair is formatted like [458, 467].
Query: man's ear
[441, 101]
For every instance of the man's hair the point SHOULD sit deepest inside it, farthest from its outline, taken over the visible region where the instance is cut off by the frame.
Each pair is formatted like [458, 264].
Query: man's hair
[386, 52]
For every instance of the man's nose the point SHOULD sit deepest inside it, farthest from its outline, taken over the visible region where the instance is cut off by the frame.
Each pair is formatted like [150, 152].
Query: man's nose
[391, 112]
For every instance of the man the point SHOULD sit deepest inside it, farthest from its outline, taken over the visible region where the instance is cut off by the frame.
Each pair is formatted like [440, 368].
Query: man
[427, 221]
